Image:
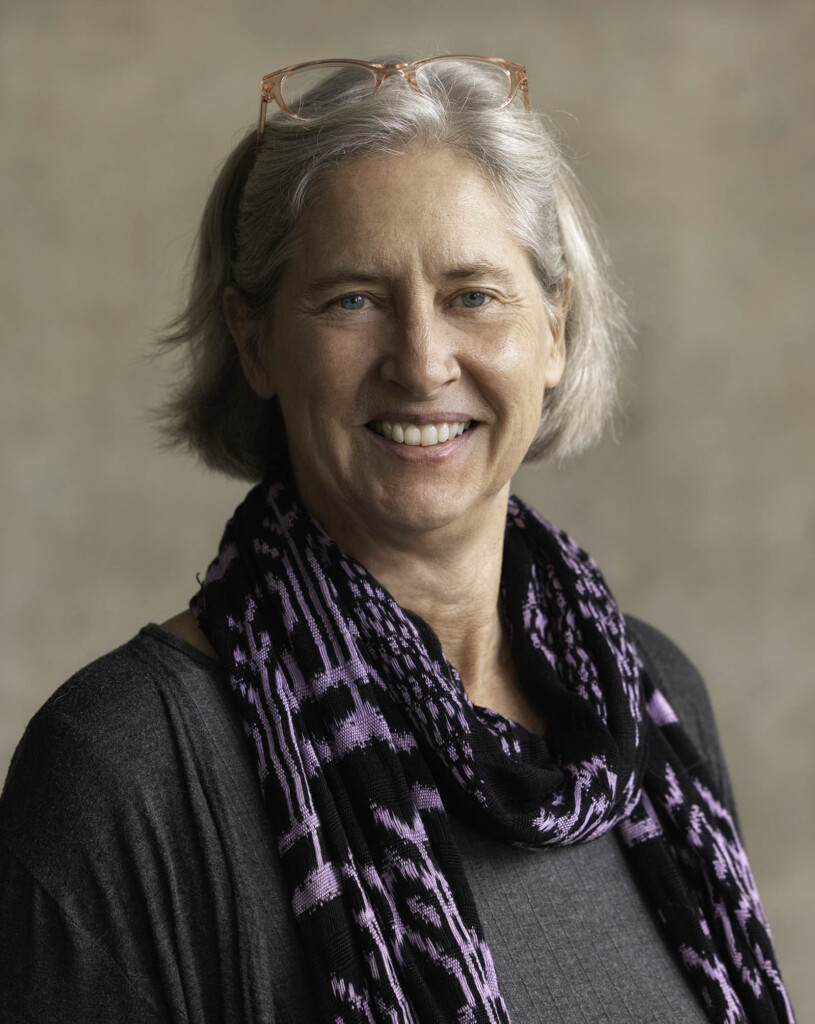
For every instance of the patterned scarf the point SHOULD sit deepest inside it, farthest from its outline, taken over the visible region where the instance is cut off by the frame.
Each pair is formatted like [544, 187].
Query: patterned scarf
[364, 738]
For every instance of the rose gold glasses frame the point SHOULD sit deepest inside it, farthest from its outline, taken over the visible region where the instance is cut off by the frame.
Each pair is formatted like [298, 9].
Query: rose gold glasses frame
[272, 84]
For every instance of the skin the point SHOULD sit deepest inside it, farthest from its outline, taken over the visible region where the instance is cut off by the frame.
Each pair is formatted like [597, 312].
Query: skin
[408, 299]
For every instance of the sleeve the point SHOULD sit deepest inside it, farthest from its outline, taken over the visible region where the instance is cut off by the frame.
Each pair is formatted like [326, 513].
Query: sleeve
[74, 934]
[677, 678]
[126, 890]
[51, 970]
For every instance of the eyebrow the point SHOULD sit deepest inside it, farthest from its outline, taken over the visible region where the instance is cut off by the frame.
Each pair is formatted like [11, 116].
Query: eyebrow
[356, 275]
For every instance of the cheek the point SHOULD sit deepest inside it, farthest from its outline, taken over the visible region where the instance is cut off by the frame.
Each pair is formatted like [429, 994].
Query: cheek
[530, 408]
[319, 380]
[520, 374]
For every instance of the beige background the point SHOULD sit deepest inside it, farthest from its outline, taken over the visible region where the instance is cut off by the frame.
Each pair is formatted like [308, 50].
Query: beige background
[692, 126]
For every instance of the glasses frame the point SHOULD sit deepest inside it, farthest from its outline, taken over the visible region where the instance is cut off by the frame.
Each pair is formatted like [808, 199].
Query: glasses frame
[271, 88]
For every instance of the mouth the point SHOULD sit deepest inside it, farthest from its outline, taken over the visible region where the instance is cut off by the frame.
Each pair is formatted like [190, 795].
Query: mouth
[424, 435]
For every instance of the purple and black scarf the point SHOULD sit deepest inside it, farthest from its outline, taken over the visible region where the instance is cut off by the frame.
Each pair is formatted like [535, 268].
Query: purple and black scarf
[364, 739]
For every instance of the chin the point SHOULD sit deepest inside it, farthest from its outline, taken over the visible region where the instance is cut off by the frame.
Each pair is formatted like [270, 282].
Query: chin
[427, 520]
[423, 509]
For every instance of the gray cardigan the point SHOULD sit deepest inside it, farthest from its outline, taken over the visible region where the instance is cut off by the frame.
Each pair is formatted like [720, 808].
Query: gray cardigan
[140, 882]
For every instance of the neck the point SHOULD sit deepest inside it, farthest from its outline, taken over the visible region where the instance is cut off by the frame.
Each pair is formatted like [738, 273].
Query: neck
[456, 592]
[451, 577]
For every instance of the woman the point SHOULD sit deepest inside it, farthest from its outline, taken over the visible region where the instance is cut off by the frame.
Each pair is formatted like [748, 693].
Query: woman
[484, 794]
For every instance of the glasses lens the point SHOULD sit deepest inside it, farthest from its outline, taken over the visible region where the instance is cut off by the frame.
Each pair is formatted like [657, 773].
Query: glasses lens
[310, 91]
[466, 83]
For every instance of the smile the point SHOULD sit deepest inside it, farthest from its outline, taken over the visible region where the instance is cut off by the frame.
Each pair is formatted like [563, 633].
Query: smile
[425, 435]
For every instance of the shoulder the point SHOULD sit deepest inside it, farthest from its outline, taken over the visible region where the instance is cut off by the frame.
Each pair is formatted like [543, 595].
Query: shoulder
[185, 627]
[678, 679]
[132, 832]
[115, 709]
[671, 671]
[667, 662]
[114, 748]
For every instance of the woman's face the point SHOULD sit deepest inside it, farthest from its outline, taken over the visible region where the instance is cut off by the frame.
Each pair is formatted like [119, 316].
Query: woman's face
[407, 303]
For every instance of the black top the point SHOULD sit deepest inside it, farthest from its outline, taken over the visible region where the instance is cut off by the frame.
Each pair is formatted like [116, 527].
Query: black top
[139, 879]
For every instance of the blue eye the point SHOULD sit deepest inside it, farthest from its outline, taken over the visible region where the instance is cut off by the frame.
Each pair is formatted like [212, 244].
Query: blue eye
[352, 302]
[472, 300]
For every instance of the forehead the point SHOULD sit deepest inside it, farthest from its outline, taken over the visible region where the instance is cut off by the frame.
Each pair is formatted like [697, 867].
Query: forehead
[432, 206]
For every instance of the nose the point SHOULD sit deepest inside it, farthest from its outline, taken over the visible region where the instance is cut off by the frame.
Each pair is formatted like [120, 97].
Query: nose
[421, 356]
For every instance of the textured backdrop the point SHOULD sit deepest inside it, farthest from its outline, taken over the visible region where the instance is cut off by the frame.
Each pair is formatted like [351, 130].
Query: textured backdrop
[692, 126]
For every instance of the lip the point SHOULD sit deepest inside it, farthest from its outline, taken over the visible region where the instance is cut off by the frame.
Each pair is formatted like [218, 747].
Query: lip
[433, 453]
[423, 419]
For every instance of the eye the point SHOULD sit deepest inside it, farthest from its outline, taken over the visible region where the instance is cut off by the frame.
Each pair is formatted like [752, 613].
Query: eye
[352, 302]
[472, 300]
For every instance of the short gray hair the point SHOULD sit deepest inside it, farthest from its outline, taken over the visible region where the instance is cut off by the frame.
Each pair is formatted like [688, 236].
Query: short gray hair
[247, 230]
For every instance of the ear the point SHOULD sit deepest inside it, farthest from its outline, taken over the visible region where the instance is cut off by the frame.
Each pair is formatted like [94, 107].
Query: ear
[243, 334]
[556, 360]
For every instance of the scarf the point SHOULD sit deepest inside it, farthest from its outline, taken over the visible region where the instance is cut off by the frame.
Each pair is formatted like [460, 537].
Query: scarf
[364, 739]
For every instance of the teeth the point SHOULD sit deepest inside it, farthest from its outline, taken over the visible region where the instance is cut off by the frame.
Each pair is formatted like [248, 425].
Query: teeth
[427, 436]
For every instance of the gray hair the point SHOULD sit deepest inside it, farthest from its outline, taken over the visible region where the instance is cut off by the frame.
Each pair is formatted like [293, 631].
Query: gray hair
[247, 231]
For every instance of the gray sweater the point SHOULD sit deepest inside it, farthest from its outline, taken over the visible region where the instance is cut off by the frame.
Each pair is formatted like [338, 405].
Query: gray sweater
[140, 882]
